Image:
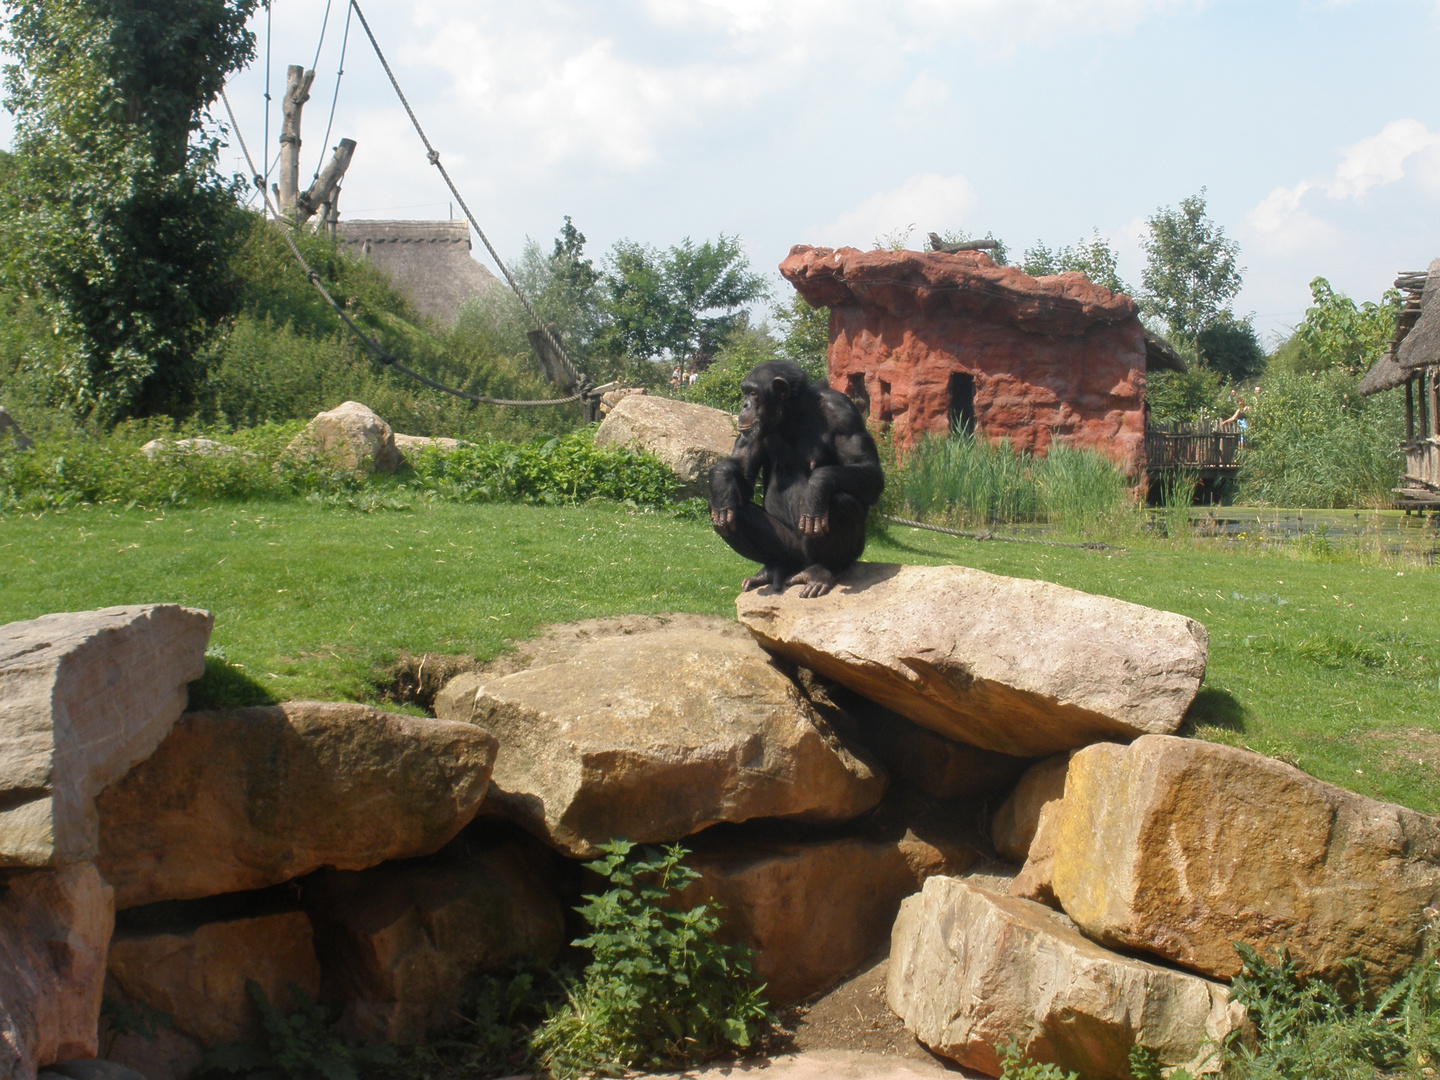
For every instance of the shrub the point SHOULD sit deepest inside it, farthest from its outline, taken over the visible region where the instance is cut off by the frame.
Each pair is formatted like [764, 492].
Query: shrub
[719, 384]
[1314, 442]
[659, 988]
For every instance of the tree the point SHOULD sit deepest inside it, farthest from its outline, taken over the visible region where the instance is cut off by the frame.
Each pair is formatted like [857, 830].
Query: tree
[115, 215]
[1190, 276]
[1232, 348]
[1338, 334]
[806, 339]
[1094, 258]
[564, 288]
[680, 304]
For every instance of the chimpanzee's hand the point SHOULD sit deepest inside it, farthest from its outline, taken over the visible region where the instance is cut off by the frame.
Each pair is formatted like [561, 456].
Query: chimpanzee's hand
[814, 524]
[724, 519]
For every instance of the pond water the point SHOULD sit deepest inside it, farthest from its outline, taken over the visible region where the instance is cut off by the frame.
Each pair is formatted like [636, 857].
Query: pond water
[1416, 532]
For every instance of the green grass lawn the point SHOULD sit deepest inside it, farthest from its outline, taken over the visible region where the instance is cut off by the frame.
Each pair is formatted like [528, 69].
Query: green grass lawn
[1330, 663]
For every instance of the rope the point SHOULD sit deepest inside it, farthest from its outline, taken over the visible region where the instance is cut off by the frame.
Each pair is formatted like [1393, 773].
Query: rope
[386, 358]
[263, 182]
[339, 74]
[1093, 545]
[324, 25]
[434, 156]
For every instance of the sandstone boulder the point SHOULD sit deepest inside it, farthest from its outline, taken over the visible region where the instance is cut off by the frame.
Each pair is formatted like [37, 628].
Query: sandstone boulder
[689, 438]
[243, 798]
[11, 435]
[55, 926]
[939, 767]
[399, 942]
[159, 448]
[1020, 667]
[350, 438]
[83, 697]
[971, 970]
[1035, 881]
[1014, 825]
[611, 398]
[1180, 847]
[414, 443]
[197, 974]
[654, 735]
[814, 909]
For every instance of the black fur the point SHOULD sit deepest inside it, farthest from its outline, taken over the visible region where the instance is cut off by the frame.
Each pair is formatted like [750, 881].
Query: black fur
[820, 473]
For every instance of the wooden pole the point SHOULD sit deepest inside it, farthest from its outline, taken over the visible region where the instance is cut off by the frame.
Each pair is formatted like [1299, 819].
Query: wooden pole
[1434, 403]
[1424, 425]
[1409, 411]
[297, 92]
[318, 193]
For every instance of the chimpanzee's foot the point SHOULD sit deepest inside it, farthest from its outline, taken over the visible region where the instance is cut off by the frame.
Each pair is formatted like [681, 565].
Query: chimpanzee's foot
[817, 581]
[771, 575]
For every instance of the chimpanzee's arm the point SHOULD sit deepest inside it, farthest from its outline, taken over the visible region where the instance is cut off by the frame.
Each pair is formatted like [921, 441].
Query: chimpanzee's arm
[858, 472]
[732, 481]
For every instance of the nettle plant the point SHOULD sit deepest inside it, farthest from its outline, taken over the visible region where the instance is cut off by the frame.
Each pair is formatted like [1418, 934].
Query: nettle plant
[659, 988]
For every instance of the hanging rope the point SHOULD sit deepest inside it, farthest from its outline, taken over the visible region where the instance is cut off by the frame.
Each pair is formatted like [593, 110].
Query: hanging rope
[379, 352]
[339, 74]
[434, 156]
[324, 24]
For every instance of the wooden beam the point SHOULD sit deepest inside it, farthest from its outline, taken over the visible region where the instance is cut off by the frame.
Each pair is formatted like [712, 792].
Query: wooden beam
[1409, 411]
[297, 92]
[1434, 403]
[321, 192]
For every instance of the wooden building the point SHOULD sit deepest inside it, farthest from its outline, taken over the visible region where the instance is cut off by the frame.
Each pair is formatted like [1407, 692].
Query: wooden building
[1413, 361]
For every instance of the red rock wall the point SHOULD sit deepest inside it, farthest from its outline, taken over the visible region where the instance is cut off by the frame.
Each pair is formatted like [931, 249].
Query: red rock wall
[1053, 358]
[1029, 388]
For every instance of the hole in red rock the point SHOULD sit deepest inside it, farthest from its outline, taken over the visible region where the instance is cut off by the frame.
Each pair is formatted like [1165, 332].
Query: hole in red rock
[856, 392]
[962, 403]
[885, 413]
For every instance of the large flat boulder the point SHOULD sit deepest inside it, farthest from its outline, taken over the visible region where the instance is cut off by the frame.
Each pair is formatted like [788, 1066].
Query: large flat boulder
[348, 438]
[653, 735]
[83, 697]
[1020, 667]
[240, 799]
[55, 926]
[689, 438]
[197, 973]
[1180, 847]
[971, 970]
[401, 942]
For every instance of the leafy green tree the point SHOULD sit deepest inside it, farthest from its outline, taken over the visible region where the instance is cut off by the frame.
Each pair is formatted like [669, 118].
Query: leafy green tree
[806, 339]
[1196, 394]
[1191, 276]
[719, 384]
[1338, 334]
[564, 287]
[1231, 347]
[1094, 258]
[677, 305]
[115, 214]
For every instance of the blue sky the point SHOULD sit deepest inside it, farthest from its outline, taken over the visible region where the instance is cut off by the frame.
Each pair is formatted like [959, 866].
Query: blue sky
[1314, 127]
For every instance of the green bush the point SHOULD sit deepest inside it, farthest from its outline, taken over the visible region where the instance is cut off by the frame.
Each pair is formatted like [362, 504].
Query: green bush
[719, 384]
[1314, 442]
[659, 988]
[568, 468]
[1315, 1029]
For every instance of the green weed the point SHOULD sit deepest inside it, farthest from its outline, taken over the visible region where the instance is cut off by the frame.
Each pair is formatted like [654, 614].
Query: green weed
[659, 988]
[1014, 1065]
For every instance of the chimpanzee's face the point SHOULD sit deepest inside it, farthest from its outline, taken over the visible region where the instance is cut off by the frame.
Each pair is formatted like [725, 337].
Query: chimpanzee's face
[762, 404]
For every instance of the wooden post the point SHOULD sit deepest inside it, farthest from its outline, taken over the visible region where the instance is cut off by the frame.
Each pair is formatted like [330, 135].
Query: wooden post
[1409, 411]
[319, 193]
[297, 92]
[1424, 424]
[1434, 402]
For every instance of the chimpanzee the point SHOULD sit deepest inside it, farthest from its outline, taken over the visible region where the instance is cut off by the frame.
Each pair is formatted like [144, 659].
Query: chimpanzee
[820, 472]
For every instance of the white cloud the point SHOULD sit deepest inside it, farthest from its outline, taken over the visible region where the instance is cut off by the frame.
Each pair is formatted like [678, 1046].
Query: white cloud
[927, 202]
[925, 92]
[1380, 159]
[1283, 224]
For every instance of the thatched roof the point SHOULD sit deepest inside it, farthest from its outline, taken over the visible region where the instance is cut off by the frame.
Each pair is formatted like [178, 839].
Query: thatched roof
[428, 261]
[1408, 351]
[1160, 355]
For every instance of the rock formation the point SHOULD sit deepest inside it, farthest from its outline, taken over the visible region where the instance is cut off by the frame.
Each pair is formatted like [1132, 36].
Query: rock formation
[243, 798]
[689, 438]
[347, 438]
[1180, 847]
[655, 735]
[1019, 667]
[931, 340]
[971, 970]
[83, 697]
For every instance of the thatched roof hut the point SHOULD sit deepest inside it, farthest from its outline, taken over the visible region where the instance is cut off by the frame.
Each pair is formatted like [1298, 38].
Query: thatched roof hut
[428, 261]
[1413, 361]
